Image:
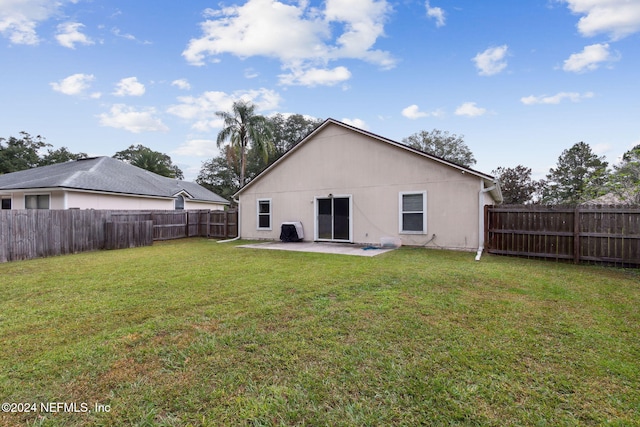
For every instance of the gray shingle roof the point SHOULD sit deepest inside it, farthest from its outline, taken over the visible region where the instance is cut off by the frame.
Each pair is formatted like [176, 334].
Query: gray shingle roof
[104, 174]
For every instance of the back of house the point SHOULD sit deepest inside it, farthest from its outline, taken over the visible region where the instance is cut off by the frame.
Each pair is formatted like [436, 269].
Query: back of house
[348, 185]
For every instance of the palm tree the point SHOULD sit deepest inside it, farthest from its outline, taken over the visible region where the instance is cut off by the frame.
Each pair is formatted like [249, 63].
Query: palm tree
[242, 128]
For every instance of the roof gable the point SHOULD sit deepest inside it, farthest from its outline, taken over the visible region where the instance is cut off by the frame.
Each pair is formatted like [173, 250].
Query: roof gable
[488, 180]
[105, 174]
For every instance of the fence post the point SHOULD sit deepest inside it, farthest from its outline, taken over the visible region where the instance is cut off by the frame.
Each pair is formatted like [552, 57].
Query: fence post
[207, 231]
[226, 224]
[486, 227]
[576, 235]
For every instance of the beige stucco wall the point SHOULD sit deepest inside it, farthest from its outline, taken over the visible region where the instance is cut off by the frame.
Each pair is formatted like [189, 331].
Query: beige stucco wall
[81, 200]
[190, 204]
[343, 162]
[59, 199]
[56, 198]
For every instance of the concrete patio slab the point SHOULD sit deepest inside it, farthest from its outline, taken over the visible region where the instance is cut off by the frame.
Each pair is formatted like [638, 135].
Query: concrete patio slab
[320, 247]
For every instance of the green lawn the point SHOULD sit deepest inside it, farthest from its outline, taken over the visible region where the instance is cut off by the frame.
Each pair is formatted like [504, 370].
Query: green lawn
[192, 332]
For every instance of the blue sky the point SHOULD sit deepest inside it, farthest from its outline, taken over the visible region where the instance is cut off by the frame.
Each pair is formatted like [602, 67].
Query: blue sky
[521, 81]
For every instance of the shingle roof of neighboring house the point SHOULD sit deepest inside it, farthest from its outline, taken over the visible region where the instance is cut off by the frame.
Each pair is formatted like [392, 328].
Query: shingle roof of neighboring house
[105, 174]
[489, 180]
[612, 199]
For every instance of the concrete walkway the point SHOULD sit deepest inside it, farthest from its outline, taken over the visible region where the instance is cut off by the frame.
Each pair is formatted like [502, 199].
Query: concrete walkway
[319, 247]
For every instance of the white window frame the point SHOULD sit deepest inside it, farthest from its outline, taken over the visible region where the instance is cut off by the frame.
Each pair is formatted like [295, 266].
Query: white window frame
[37, 195]
[317, 226]
[10, 199]
[258, 214]
[176, 202]
[401, 212]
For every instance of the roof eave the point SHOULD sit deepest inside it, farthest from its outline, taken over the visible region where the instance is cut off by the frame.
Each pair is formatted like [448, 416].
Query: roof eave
[492, 186]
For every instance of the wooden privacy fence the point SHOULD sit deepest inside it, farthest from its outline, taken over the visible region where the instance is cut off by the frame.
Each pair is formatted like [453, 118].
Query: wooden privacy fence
[27, 234]
[121, 235]
[596, 234]
[169, 225]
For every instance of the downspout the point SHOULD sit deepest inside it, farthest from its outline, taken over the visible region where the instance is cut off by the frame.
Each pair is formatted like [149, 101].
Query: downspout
[239, 222]
[481, 217]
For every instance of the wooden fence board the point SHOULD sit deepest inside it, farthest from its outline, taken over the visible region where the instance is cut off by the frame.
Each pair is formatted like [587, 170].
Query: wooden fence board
[597, 234]
[131, 234]
[26, 234]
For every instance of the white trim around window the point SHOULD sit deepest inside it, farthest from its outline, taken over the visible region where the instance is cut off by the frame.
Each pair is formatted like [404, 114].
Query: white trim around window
[412, 212]
[37, 201]
[264, 211]
[7, 202]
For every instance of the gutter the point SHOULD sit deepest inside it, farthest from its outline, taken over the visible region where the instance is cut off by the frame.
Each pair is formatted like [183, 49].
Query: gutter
[481, 216]
[239, 222]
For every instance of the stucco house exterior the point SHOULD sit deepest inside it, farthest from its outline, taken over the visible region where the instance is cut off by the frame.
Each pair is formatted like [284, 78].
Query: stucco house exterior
[102, 183]
[345, 184]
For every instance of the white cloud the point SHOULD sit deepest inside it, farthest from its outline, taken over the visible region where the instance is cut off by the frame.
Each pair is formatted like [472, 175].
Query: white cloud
[250, 73]
[76, 84]
[601, 149]
[589, 59]
[436, 13]
[315, 76]
[359, 123]
[618, 18]
[491, 61]
[556, 99]
[363, 21]
[181, 84]
[69, 34]
[118, 33]
[413, 112]
[129, 86]
[201, 110]
[470, 109]
[263, 27]
[124, 117]
[198, 147]
[19, 19]
[259, 27]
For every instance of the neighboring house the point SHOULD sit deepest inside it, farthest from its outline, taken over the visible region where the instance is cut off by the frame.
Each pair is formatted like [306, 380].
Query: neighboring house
[613, 199]
[101, 183]
[345, 184]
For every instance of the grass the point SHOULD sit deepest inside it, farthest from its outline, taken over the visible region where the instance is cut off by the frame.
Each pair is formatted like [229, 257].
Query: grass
[191, 332]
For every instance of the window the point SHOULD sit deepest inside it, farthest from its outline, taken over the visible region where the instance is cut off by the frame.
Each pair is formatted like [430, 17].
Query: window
[264, 214]
[36, 201]
[6, 203]
[413, 212]
[178, 202]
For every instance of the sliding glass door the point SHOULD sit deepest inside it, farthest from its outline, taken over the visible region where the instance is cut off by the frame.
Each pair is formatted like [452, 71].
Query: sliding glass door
[333, 218]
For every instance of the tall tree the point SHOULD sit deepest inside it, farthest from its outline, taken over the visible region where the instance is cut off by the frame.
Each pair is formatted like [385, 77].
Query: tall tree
[579, 175]
[624, 181]
[243, 129]
[153, 161]
[289, 130]
[61, 155]
[221, 175]
[516, 184]
[442, 144]
[21, 153]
